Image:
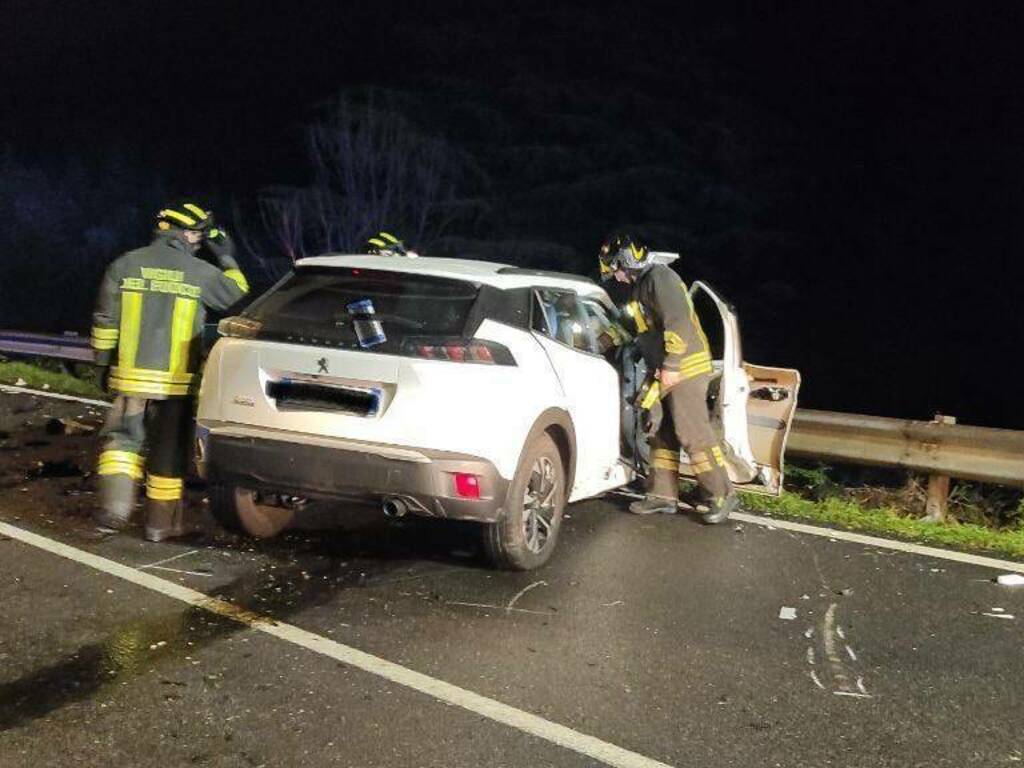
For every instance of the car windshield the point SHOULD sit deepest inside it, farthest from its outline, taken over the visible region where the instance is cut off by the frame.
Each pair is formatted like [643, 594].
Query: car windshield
[360, 308]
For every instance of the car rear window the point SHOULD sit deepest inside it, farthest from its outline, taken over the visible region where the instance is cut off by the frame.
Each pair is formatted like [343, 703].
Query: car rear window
[312, 306]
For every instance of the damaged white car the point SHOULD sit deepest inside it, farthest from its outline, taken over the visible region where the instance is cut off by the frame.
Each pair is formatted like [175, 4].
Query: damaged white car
[451, 389]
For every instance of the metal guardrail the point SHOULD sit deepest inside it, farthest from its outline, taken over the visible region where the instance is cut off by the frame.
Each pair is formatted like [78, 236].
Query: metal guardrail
[61, 347]
[942, 448]
[939, 448]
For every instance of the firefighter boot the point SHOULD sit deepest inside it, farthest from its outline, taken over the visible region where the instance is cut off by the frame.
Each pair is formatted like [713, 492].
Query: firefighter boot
[720, 509]
[663, 484]
[652, 505]
[167, 520]
[117, 501]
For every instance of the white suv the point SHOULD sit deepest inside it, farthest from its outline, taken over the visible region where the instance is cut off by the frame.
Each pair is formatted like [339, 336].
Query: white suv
[446, 388]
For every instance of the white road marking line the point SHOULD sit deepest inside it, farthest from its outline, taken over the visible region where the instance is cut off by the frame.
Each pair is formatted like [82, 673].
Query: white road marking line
[563, 736]
[54, 395]
[170, 559]
[860, 685]
[853, 695]
[817, 682]
[810, 655]
[522, 592]
[999, 615]
[809, 633]
[874, 541]
[839, 631]
[853, 656]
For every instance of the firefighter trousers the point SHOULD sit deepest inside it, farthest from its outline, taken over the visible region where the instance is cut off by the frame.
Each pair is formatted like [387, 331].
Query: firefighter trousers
[685, 423]
[160, 430]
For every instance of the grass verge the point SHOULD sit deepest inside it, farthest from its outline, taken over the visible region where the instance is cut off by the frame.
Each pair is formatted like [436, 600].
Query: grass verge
[888, 522]
[51, 379]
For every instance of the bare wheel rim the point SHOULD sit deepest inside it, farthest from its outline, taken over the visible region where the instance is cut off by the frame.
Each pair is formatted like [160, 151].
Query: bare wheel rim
[539, 502]
[259, 518]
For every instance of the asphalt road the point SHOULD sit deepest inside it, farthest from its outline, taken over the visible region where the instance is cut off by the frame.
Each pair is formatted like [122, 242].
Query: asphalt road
[657, 635]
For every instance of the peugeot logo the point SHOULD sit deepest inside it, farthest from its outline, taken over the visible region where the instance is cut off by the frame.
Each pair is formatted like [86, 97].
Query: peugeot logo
[322, 362]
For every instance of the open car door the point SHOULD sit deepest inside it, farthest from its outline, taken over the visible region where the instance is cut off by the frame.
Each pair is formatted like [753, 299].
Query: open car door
[751, 406]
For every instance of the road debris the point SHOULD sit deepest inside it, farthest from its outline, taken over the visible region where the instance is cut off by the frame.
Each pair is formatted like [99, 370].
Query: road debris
[67, 427]
[787, 614]
[62, 468]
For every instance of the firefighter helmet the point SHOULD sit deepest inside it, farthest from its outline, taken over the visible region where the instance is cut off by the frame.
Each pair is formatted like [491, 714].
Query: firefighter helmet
[621, 252]
[385, 244]
[184, 215]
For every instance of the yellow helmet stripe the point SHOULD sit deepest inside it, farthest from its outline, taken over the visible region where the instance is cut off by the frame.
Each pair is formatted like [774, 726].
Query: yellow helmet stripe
[188, 221]
[196, 210]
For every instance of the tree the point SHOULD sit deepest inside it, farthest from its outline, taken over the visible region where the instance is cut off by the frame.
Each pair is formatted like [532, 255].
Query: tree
[371, 169]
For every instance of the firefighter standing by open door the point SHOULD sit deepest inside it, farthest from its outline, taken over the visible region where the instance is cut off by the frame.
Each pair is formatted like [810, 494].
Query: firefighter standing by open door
[660, 304]
[146, 333]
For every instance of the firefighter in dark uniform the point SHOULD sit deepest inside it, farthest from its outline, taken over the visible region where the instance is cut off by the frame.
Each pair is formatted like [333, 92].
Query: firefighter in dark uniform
[146, 335]
[660, 305]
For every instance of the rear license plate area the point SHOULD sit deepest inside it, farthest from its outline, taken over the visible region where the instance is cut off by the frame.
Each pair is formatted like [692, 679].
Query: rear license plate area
[292, 395]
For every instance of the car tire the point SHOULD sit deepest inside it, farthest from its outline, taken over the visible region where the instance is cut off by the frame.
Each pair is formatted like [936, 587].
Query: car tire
[527, 534]
[243, 510]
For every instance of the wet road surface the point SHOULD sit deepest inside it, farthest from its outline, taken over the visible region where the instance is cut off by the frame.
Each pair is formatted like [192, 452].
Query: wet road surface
[660, 636]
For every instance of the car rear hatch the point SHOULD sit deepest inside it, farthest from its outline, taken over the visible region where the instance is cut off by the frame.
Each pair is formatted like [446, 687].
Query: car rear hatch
[362, 354]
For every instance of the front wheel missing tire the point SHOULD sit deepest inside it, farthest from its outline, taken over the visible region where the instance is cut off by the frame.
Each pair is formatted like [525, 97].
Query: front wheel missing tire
[249, 511]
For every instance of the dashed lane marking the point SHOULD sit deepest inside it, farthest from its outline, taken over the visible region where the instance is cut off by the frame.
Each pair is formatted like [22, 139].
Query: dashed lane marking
[554, 733]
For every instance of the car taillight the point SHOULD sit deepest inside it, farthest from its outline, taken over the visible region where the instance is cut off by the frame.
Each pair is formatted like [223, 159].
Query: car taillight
[459, 351]
[466, 485]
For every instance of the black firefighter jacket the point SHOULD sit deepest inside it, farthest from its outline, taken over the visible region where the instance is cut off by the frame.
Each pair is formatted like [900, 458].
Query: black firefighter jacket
[150, 314]
[660, 305]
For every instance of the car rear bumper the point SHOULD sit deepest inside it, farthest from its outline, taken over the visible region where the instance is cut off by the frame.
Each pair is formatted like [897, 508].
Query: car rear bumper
[309, 465]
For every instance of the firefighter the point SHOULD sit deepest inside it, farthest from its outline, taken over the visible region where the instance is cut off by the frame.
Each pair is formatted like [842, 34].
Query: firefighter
[660, 306]
[146, 335]
[386, 244]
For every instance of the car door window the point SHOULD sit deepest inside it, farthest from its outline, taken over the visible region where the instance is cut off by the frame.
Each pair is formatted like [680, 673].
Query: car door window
[564, 320]
[604, 327]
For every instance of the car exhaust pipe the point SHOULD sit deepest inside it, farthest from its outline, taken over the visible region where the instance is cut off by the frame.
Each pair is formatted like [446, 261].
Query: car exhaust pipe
[394, 507]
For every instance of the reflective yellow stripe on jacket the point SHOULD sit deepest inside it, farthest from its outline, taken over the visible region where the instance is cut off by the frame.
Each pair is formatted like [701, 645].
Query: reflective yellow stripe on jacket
[696, 364]
[236, 276]
[131, 325]
[181, 334]
[636, 311]
[143, 381]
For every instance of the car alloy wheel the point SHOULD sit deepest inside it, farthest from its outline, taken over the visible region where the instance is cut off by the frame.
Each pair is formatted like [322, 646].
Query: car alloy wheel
[539, 504]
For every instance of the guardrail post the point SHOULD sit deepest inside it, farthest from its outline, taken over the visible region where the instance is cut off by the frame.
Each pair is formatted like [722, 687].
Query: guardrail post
[936, 507]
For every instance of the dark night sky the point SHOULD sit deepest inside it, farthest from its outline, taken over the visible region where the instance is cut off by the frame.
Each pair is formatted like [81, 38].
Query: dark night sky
[887, 144]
